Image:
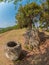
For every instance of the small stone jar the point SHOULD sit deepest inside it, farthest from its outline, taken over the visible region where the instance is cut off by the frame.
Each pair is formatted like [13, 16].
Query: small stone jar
[13, 50]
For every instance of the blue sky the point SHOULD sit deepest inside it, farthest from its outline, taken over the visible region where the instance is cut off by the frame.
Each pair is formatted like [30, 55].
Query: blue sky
[7, 13]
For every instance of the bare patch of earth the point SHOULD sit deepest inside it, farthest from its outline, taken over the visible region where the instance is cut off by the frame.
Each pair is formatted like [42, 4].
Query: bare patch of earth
[35, 57]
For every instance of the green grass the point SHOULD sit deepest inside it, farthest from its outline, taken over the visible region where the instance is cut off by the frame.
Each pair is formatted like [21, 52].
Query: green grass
[2, 30]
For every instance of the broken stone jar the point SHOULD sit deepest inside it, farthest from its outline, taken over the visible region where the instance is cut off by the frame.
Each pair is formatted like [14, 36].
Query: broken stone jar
[13, 50]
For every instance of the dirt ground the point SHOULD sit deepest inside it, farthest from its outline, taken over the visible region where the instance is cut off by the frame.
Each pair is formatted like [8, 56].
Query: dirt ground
[38, 56]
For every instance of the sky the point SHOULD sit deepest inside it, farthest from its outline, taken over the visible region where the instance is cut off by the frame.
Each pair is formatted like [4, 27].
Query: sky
[7, 13]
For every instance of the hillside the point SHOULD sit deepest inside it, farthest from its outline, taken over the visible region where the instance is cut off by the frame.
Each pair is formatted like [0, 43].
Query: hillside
[2, 30]
[34, 57]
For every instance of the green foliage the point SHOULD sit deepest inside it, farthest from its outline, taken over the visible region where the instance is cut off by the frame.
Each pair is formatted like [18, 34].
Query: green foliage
[8, 0]
[1, 0]
[2, 30]
[15, 1]
[26, 14]
[44, 17]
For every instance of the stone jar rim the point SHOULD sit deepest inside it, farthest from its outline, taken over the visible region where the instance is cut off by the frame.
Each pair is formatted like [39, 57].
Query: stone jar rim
[12, 44]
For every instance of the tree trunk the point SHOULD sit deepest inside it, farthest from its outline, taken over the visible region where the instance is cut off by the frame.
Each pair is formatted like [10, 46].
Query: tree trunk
[31, 38]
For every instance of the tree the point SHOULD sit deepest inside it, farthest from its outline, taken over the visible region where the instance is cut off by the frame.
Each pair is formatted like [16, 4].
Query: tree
[15, 1]
[44, 17]
[27, 13]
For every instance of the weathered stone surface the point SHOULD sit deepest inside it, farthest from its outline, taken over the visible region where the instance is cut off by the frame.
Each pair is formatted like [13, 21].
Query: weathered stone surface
[32, 38]
[13, 50]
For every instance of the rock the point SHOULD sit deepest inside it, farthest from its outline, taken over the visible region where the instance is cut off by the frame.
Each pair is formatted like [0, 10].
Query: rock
[13, 50]
[32, 38]
[33, 43]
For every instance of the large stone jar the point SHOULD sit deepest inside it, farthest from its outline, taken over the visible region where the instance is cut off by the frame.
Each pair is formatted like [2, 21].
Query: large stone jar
[13, 50]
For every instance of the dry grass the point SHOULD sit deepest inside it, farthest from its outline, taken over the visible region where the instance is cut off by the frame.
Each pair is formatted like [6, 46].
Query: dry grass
[17, 36]
[14, 35]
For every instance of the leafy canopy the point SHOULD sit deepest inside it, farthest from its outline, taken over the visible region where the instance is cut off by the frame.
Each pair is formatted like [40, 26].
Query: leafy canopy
[27, 13]
[44, 17]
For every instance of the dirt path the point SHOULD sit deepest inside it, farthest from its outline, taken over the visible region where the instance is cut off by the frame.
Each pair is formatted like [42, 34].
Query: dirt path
[35, 57]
